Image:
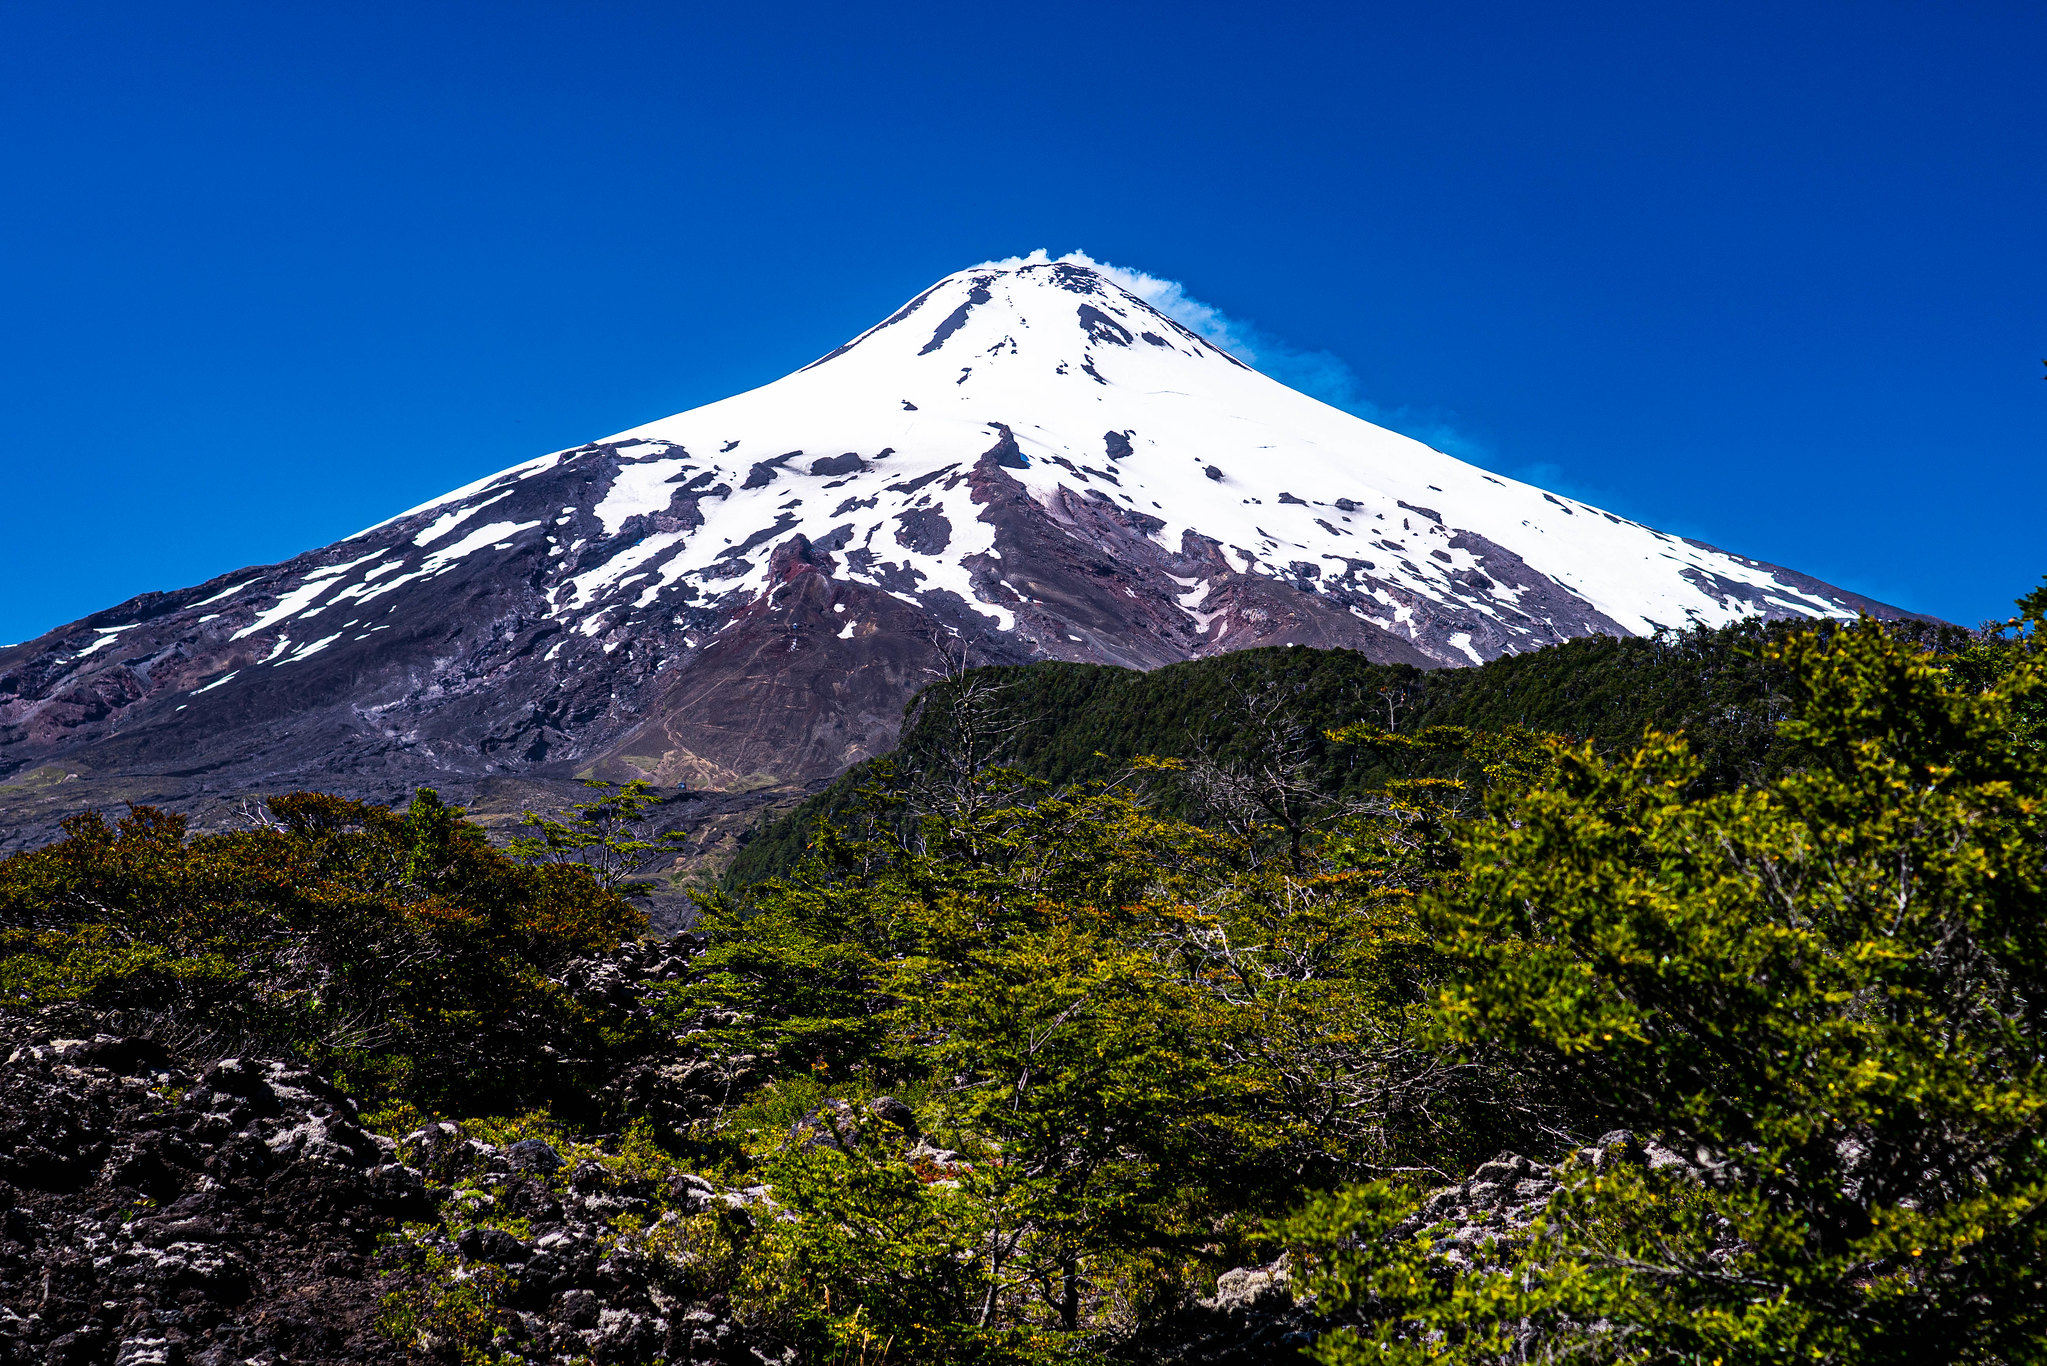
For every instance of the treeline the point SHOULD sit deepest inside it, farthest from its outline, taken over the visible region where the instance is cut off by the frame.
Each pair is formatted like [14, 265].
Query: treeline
[1076, 723]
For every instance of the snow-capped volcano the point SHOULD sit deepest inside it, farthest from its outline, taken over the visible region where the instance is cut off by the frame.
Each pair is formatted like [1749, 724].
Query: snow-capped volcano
[1076, 387]
[1027, 457]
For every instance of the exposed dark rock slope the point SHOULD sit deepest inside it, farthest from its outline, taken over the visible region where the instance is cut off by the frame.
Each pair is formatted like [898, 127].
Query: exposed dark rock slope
[159, 1209]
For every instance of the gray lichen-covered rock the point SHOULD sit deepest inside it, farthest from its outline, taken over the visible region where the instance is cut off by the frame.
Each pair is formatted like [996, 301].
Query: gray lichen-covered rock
[159, 1212]
[1253, 1290]
[1492, 1209]
[164, 1212]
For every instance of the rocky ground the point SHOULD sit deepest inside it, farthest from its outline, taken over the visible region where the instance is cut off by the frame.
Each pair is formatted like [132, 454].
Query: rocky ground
[162, 1213]
[154, 1216]
[161, 1205]
[1263, 1313]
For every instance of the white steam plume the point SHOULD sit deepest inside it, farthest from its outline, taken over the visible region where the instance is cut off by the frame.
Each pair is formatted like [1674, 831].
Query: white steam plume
[1320, 374]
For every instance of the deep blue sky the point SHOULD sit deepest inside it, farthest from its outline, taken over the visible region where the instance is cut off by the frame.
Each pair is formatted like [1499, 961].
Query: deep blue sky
[1771, 275]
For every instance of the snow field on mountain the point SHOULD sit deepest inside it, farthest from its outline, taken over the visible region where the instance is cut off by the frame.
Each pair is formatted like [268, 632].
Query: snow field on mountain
[1072, 383]
[1061, 370]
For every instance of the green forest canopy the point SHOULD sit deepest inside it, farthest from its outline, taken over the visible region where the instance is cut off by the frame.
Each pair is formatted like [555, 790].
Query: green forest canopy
[1076, 723]
[1079, 1040]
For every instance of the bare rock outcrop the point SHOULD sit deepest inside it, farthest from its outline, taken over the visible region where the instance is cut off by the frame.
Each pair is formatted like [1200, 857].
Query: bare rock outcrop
[156, 1211]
